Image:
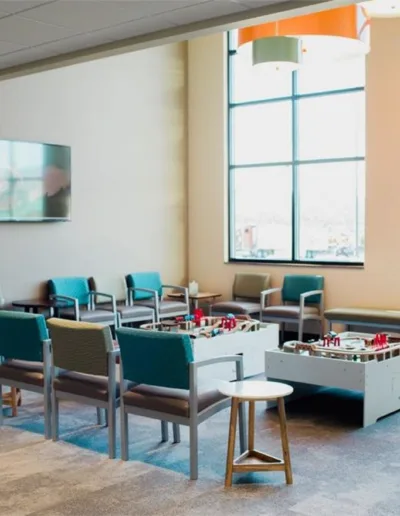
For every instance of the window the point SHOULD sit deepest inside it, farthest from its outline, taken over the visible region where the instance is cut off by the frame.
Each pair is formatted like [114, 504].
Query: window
[296, 162]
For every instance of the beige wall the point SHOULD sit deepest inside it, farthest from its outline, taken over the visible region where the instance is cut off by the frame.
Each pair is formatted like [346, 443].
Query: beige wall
[378, 284]
[125, 119]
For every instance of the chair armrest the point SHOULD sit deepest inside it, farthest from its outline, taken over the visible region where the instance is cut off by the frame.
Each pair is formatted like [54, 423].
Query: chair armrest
[111, 366]
[94, 293]
[265, 293]
[60, 297]
[154, 294]
[304, 295]
[184, 290]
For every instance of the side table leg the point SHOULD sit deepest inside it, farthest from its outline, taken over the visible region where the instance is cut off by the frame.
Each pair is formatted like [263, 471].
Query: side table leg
[231, 442]
[285, 441]
[251, 425]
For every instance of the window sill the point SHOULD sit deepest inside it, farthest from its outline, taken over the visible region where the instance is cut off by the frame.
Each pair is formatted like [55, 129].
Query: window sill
[283, 263]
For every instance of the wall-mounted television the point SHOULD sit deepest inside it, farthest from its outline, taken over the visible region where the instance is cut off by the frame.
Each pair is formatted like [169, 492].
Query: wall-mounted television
[35, 182]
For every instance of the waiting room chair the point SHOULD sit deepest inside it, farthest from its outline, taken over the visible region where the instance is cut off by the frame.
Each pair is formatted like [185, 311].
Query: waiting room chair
[246, 291]
[164, 374]
[80, 301]
[127, 312]
[25, 357]
[147, 289]
[84, 370]
[302, 299]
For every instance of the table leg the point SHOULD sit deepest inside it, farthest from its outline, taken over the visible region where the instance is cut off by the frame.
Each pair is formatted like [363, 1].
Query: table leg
[251, 425]
[231, 442]
[285, 441]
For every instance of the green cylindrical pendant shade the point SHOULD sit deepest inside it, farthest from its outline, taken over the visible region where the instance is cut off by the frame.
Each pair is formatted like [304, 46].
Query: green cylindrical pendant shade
[280, 52]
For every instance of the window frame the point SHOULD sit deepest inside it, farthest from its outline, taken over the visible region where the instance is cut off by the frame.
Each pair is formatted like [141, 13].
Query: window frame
[294, 164]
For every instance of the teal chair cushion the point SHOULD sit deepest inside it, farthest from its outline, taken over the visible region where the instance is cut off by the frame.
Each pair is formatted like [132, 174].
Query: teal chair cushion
[155, 358]
[22, 336]
[151, 280]
[296, 284]
[71, 286]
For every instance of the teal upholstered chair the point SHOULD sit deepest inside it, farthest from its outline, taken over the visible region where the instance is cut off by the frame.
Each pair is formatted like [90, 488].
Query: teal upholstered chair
[162, 366]
[147, 289]
[302, 299]
[25, 357]
[80, 301]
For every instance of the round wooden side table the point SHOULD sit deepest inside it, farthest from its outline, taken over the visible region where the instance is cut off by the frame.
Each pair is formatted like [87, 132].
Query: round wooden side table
[252, 459]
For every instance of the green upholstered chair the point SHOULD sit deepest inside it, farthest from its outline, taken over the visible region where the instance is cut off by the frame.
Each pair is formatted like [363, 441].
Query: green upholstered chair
[84, 370]
[127, 313]
[165, 375]
[147, 289]
[246, 291]
[302, 299]
[80, 301]
[25, 357]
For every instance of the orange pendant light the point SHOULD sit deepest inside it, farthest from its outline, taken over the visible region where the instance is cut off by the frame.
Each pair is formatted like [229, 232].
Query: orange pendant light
[340, 32]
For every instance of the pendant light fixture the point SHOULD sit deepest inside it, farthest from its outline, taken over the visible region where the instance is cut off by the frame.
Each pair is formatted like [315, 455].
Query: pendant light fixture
[324, 36]
[382, 8]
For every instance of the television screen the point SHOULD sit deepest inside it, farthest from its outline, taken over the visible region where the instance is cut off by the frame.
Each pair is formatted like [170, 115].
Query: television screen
[35, 181]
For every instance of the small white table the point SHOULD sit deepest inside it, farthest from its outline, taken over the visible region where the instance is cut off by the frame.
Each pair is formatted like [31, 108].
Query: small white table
[252, 459]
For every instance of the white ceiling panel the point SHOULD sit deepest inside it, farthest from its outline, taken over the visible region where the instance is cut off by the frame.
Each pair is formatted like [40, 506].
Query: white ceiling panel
[7, 48]
[204, 11]
[16, 29]
[137, 27]
[15, 6]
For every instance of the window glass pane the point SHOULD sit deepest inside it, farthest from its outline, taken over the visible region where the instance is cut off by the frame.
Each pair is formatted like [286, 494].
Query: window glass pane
[338, 75]
[262, 133]
[331, 212]
[261, 222]
[331, 126]
[256, 82]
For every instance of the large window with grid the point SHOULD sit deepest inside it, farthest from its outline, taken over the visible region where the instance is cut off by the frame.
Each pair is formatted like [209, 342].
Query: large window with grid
[296, 145]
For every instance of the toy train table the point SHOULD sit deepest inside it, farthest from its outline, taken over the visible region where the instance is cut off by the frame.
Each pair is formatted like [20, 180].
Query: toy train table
[354, 361]
[229, 335]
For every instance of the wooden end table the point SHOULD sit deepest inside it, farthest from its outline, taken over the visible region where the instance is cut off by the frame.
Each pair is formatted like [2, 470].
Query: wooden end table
[252, 459]
[209, 297]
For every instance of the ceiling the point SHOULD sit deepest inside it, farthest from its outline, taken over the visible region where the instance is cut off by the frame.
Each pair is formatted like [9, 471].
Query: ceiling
[42, 33]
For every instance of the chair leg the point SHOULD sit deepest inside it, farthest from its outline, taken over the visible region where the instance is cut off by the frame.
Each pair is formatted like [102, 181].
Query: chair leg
[194, 454]
[106, 418]
[111, 423]
[164, 431]
[14, 401]
[300, 335]
[124, 434]
[177, 432]
[55, 426]
[47, 413]
[1, 406]
[101, 420]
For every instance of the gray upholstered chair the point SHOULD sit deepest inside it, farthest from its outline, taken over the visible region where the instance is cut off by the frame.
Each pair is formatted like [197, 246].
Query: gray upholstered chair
[80, 301]
[246, 291]
[84, 370]
[25, 357]
[127, 311]
[164, 373]
[147, 289]
[302, 299]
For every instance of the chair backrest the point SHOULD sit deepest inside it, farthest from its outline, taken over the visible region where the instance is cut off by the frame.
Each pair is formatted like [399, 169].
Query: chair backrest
[79, 346]
[22, 336]
[77, 287]
[151, 280]
[155, 358]
[296, 284]
[109, 285]
[249, 285]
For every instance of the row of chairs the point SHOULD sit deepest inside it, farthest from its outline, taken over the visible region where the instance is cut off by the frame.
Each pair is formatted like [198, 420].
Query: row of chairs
[78, 361]
[116, 300]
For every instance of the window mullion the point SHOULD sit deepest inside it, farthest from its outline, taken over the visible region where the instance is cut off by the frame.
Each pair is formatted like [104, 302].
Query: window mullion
[295, 192]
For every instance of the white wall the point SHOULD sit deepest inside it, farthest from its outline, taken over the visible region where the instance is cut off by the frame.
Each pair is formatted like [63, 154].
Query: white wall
[125, 119]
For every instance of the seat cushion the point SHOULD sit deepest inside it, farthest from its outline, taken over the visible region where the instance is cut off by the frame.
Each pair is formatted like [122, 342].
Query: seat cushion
[363, 315]
[21, 371]
[93, 316]
[236, 307]
[139, 312]
[289, 311]
[166, 307]
[171, 401]
[88, 385]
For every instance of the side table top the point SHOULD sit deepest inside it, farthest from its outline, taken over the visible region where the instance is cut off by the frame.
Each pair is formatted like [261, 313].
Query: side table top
[255, 390]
